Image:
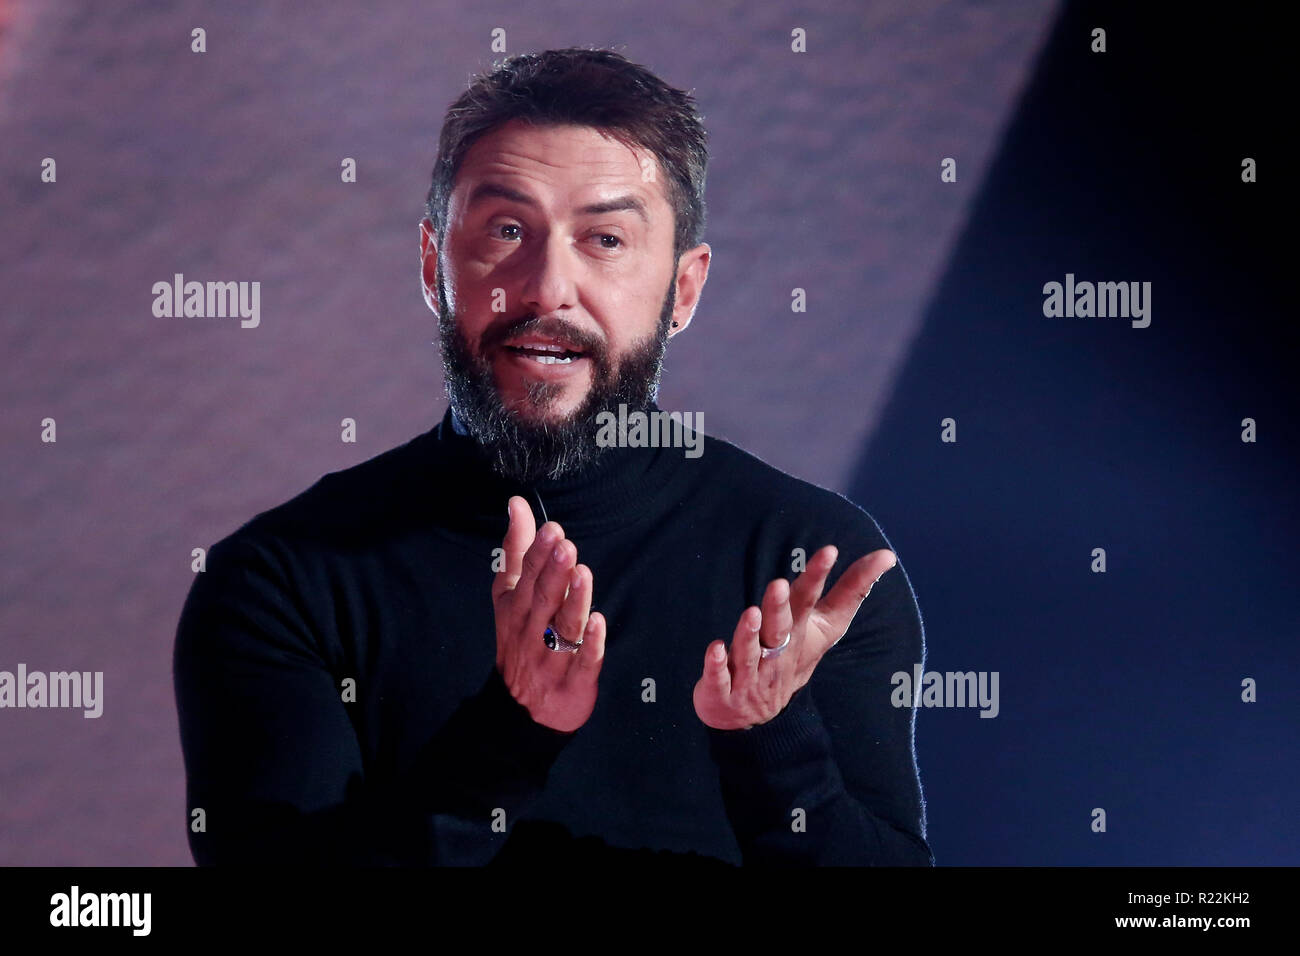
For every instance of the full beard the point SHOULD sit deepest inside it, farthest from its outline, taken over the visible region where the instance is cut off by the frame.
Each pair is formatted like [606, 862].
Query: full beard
[527, 451]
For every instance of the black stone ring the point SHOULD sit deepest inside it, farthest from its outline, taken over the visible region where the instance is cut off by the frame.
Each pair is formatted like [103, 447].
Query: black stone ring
[555, 642]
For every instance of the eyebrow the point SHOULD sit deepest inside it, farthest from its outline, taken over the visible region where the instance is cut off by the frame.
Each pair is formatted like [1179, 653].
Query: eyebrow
[484, 191]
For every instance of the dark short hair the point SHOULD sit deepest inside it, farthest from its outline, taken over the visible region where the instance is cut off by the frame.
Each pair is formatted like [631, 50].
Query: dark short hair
[597, 88]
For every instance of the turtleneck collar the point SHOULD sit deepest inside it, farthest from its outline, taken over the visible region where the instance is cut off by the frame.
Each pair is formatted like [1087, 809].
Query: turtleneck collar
[612, 491]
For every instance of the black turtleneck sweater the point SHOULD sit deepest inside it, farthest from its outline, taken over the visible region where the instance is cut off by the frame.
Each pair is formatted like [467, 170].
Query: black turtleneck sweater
[339, 700]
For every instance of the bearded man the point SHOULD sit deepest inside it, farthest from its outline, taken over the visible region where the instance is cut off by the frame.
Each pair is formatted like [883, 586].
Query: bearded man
[512, 639]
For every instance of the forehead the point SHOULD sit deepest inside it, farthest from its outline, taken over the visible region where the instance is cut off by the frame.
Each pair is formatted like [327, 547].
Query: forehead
[566, 159]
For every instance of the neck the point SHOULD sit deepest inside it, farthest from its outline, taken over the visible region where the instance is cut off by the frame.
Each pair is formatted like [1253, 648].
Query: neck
[620, 484]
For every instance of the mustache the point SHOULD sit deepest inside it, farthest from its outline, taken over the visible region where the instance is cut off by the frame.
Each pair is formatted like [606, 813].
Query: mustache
[494, 336]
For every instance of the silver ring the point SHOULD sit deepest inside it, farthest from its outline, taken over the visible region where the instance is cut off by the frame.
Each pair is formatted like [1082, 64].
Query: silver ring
[779, 649]
[555, 642]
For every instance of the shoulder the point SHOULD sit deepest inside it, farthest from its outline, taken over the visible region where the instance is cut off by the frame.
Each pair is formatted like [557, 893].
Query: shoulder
[340, 506]
[780, 500]
[783, 520]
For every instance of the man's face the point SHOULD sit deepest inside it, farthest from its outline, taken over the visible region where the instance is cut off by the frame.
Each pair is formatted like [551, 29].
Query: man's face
[558, 289]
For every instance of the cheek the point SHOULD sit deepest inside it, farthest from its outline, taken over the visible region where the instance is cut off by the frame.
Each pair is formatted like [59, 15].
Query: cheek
[628, 318]
[466, 279]
[470, 298]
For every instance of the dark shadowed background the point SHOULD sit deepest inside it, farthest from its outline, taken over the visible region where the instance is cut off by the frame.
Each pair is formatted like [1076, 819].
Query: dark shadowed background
[1119, 690]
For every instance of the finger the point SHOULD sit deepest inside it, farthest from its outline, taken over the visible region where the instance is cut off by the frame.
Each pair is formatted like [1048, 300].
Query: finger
[549, 593]
[716, 676]
[745, 652]
[834, 613]
[807, 587]
[777, 626]
[586, 663]
[571, 618]
[777, 619]
[536, 558]
[520, 532]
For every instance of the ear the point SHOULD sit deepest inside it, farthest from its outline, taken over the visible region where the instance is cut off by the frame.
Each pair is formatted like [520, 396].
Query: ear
[692, 273]
[429, 265]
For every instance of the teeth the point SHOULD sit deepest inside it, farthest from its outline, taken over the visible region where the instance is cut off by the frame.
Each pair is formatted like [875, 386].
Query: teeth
[545, 354]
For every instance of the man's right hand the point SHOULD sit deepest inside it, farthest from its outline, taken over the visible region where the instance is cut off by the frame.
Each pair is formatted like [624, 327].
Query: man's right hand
[533, 591]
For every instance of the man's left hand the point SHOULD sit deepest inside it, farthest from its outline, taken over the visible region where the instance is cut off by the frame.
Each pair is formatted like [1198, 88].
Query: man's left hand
[741, 688]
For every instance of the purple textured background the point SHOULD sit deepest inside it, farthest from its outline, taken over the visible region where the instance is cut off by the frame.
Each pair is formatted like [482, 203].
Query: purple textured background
[225, 166]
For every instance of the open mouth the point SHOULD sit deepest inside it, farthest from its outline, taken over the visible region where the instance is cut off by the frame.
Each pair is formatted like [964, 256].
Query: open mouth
[546, 354]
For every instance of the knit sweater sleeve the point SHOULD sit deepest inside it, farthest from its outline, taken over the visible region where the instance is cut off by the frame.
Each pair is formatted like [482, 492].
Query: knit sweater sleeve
[840, 752]
[273, 761]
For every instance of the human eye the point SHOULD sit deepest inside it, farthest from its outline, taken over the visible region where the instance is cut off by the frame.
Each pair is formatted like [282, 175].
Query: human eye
[496, 230]
[618, 241]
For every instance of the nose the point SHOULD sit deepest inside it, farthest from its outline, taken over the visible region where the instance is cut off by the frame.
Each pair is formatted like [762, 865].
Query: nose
[550, 286]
